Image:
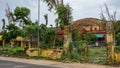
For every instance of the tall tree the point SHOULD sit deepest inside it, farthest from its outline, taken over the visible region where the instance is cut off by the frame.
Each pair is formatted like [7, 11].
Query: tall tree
[64, 15]
[22, 15]
[46, 33]
[63, 12]
[54, 4]
[9, 15]
[11, 32]
[30, 32]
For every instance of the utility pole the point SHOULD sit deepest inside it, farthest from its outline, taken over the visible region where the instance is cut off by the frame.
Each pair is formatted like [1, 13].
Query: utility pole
[38, 27]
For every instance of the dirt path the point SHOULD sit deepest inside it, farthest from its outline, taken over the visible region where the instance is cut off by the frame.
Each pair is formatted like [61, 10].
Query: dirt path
[54, 63]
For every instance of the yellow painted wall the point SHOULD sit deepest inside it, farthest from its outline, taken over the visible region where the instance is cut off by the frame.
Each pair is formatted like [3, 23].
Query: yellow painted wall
[32, 52]
[47, 53]
[117, 57]
[21, 40]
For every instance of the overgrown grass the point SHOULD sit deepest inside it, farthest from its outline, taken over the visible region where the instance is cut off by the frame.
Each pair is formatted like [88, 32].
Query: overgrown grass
[97, 54]
[12, 51]
[19, 52]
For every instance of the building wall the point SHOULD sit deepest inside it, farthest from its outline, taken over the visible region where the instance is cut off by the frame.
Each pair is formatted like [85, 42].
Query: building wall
[93, 25]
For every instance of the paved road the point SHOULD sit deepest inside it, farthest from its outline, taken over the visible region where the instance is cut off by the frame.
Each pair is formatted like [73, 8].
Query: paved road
[10, 64]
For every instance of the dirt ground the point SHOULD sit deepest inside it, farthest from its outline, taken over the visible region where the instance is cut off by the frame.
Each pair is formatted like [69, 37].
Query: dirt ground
[54, 63]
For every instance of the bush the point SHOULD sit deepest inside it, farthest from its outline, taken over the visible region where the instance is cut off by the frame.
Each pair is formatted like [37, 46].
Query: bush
[64, 55]
[76, 35]
[74, 56]
[59, 41]
[12, 51]
[75, 52]
[70, 49]
[117, 48]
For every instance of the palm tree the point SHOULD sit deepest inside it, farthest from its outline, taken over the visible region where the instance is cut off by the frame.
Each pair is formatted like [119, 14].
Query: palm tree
[3, 27]
[46, 19]
[64, 15]
[63, 12]
[52, 4]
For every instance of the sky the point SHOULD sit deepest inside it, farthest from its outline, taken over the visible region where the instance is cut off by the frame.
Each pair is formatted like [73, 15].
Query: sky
[80, 9]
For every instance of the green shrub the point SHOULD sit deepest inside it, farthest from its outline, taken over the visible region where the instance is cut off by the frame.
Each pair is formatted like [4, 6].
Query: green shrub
[74, 51]
[59, 41]
[70, 49]
[12, 51]
[118, 48]
[76, 35]
[74, 56]
[64, 55]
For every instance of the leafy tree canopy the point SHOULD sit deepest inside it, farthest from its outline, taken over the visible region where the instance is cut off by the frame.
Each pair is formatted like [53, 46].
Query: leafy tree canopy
[47, 36]
[89, 37]
[21, 12]
[11, 27]
[11, 32]
[30, 30]
[76, 35]
[22, 15]
[64, 15]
